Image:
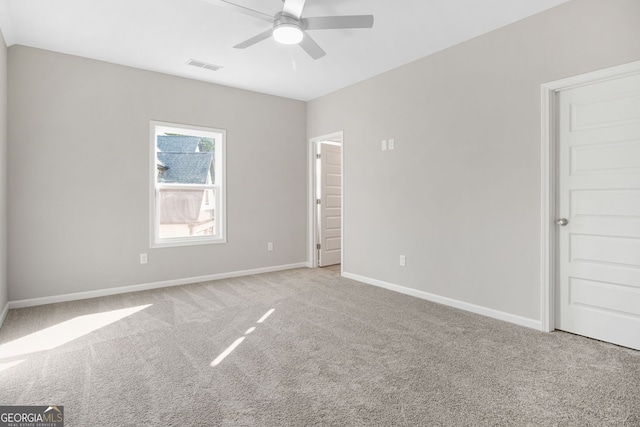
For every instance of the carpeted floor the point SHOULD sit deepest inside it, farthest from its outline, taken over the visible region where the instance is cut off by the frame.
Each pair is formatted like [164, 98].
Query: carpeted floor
[333, 352]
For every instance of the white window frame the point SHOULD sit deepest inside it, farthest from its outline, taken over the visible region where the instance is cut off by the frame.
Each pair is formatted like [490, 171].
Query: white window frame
[219, 188]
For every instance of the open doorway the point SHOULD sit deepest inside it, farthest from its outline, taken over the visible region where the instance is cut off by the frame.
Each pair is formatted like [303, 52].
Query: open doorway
[326, 200]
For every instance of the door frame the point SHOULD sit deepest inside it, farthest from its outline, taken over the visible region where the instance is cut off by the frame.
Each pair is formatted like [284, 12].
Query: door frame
[312, 219]
[549, 179]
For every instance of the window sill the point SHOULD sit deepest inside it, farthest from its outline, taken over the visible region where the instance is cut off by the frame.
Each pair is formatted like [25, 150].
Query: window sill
[172, 243]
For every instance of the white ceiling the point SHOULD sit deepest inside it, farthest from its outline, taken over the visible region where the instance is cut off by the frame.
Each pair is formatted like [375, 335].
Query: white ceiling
[162, 35]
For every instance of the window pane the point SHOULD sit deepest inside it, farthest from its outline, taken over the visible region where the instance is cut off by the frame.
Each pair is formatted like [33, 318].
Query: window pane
[185, 213]
[185, 159]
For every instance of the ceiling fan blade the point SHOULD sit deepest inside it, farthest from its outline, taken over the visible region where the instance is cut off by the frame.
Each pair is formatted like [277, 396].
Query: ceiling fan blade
[242, 9]
[255, 39]
[337, 22]
[311, 47]
[293, 8]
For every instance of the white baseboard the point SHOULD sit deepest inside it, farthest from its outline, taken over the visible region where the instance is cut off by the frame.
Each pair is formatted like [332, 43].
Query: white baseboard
[146, 286]
[477, 309]
[3, 315]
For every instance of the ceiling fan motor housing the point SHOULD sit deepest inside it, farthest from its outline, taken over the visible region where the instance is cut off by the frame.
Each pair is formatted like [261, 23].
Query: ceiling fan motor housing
[287, 29]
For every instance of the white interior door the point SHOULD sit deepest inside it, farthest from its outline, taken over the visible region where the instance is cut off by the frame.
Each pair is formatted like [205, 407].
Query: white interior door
[330, 205]
[599, 196]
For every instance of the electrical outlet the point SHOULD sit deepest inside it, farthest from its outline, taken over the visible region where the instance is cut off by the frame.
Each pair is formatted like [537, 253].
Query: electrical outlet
[403, 261]
[384, 145]
[392, 144]
[143, 258]
[270, 246]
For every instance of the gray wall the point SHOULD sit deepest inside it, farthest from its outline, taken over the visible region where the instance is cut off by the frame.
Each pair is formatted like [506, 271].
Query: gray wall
[79, 175]
[4, 292]
[460, 194]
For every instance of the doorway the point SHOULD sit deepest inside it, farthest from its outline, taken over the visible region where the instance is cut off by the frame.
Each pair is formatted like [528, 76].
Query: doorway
[591, 216]
[326, 200]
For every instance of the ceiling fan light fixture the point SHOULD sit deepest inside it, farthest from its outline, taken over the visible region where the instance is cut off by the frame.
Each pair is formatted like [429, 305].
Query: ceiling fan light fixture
[288, 33]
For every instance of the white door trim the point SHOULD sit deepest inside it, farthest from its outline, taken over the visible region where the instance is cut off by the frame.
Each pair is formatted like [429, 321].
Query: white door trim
[312, 221]
[549, 179]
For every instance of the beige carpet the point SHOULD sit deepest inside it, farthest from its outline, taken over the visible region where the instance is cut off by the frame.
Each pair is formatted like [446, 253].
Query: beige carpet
[332, 352]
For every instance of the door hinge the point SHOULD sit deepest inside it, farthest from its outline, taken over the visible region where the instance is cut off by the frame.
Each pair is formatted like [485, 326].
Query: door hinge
[318, 246]
[318, 156]
[318, 201]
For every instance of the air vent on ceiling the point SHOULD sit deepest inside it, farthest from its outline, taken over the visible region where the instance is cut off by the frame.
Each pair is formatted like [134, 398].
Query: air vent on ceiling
[200, 64]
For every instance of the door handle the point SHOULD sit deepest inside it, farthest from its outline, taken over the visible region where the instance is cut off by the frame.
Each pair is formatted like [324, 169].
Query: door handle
[562, 222]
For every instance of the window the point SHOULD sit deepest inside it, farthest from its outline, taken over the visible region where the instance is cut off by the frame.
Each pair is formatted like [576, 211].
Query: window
[187, 185]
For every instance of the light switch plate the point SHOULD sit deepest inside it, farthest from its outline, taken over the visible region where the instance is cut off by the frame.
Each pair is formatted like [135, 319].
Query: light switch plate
[384, 145]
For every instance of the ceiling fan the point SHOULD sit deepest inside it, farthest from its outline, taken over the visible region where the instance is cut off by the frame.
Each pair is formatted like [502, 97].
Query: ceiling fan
[289, 27]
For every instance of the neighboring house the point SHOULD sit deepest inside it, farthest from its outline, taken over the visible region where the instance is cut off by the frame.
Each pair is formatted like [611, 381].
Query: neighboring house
[177, 143]
[180, 162]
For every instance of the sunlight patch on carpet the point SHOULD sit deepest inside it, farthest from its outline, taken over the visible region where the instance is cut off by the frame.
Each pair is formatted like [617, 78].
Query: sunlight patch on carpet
[267, 314]
[237, 342]
[7, 365]
[227, 352]
[62, 333]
